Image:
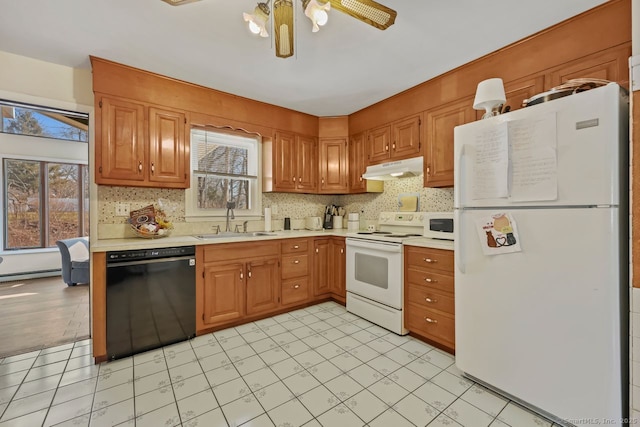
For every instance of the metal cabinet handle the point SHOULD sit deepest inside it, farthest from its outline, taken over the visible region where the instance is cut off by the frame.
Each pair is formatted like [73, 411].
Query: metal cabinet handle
[297, 261]
[323, 180]
[153, 168]
[241, 275]
[249, 274]
[430, 260]
[428, 280]
[394, 146]
[431, 301]
[296, 286]
[360, 178]
[386, 148]
[428, 169]
[299, 179]
[295, 246]
[429, 320]
[341, 250]
[140, 166]
[316, 250]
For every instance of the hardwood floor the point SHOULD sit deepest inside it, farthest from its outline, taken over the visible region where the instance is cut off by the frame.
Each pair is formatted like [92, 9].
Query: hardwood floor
[41, 313]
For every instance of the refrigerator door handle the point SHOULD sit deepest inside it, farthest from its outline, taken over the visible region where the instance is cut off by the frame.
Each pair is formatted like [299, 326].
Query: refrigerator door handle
[457, 171]
[457, 247]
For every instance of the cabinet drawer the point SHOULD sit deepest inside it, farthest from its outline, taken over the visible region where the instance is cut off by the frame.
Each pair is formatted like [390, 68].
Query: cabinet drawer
[436, 259]
[295, 266]
[427, 297]
[291, 246]
[420, 277]
[440, 326]
[295, 290]
[227, 251]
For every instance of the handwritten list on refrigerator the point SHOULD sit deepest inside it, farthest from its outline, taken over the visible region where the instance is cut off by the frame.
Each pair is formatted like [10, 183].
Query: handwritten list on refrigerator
[517, 160]
[491, 165]
[534, 165]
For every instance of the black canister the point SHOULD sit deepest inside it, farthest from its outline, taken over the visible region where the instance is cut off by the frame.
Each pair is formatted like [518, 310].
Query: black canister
[287, 223]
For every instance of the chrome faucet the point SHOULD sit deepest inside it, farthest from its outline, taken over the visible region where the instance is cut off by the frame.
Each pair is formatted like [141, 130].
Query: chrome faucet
[230, 207]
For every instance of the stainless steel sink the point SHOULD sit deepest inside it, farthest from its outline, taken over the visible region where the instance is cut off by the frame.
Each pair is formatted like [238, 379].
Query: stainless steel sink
[227, 235]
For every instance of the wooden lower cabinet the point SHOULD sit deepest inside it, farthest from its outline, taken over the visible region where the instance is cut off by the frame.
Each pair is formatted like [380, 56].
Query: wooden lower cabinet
[296, 271]
[429, 295]
[338, 269]
[321, 258]
[263, 286]
[223, 293]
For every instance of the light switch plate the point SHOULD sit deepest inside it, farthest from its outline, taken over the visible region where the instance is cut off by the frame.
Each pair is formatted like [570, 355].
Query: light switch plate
[122, 209]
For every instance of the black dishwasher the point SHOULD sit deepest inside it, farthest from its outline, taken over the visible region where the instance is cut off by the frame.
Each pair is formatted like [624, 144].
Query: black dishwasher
[150, 299]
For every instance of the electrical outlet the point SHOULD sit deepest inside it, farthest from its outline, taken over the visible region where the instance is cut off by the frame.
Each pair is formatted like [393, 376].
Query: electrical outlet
[122, 209]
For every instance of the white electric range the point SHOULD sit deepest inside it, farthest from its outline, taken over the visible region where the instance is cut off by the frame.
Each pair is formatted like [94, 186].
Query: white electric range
[375, 269]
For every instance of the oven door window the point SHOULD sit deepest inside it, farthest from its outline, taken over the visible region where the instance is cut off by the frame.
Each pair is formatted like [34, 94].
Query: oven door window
[372, 270]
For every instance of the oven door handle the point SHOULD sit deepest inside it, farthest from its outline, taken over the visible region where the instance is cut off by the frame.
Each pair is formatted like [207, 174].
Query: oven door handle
[376, 246]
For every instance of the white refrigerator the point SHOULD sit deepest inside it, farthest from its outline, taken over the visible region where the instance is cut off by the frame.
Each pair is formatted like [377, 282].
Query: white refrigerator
[541, 255]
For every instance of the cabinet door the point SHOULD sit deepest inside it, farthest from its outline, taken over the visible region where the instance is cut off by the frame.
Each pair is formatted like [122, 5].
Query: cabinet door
[379, 141]
[612, 64]
[167, 147]
[263, 286]
[357, 163]
[406, 138]
[223, 293]
[518, 91]
[321, 258]
[338, 267]
[120, 151]
[307, 164]
[438, 155]
[285, 162]
[333, 166]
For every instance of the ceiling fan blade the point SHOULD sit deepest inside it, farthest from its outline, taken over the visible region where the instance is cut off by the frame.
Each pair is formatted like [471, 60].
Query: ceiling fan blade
[368, 11]
[283, 27]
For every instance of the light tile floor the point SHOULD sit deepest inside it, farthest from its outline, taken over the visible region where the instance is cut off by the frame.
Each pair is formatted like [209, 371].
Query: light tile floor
[318, 366]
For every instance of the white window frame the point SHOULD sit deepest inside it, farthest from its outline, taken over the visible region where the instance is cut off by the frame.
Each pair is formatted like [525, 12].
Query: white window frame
[192, 212]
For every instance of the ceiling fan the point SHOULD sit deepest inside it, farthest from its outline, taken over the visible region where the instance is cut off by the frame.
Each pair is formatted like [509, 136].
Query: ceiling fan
[367, 11]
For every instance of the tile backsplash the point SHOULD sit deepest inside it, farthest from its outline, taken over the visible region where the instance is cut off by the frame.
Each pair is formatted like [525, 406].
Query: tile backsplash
[294, 206]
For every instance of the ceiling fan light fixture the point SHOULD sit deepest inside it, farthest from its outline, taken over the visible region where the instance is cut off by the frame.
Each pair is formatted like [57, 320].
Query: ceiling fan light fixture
[367, 11]
[316, 11]
[258, 20]
[283, 27]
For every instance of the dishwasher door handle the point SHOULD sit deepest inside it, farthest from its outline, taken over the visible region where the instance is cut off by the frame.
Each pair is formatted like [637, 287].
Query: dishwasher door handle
[192, 261]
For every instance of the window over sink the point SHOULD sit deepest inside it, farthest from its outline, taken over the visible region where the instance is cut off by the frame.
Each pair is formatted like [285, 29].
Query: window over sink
[224, 168]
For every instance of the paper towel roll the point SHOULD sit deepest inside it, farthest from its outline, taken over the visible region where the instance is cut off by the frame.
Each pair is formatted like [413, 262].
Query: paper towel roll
[267, 219]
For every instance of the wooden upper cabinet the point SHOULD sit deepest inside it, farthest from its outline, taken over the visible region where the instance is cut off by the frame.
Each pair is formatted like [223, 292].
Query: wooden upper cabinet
[518, 91]
[379, 140]
[307, 164]
[168, 152]
[399, 140]
[285, 161]
[293, 163]
[357, 163]
[406, 138]
[140, 145]
[438, 154]
[334, 173]
[120, 155]
[611, 64]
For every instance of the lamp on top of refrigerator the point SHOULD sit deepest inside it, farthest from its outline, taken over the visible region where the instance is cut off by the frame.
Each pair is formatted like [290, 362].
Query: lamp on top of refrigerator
[489, 96]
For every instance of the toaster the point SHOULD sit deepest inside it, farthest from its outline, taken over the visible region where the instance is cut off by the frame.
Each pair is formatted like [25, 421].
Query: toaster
[313, 223]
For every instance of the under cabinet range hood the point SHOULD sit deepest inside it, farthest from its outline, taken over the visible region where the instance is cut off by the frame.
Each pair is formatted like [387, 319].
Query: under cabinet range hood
[393, 170]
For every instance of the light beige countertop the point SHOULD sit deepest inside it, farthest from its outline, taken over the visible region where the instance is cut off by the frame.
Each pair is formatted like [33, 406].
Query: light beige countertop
[133, 243]
[426, 242]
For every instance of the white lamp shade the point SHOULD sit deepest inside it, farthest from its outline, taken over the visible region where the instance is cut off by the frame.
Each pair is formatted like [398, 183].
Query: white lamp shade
[317, 13]
[257, 22]
[489, 94]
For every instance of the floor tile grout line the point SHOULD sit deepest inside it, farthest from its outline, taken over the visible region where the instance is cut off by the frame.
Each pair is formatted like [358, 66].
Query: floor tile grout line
[15, 392]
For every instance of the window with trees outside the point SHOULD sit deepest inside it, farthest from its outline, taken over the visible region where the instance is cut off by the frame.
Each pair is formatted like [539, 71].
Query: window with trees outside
[224, 169]
[44, 200]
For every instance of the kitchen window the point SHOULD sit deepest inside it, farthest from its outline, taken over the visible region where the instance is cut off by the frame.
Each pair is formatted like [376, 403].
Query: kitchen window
[224, 168]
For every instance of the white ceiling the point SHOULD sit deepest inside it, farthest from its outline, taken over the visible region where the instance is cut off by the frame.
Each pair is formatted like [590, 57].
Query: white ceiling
[343, 68]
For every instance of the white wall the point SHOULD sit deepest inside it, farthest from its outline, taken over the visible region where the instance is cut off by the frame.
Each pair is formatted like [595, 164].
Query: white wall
[32, 81]
[635, 292]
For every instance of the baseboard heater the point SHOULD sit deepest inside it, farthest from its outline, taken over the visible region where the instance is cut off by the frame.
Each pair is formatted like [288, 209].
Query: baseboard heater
[29, 275]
